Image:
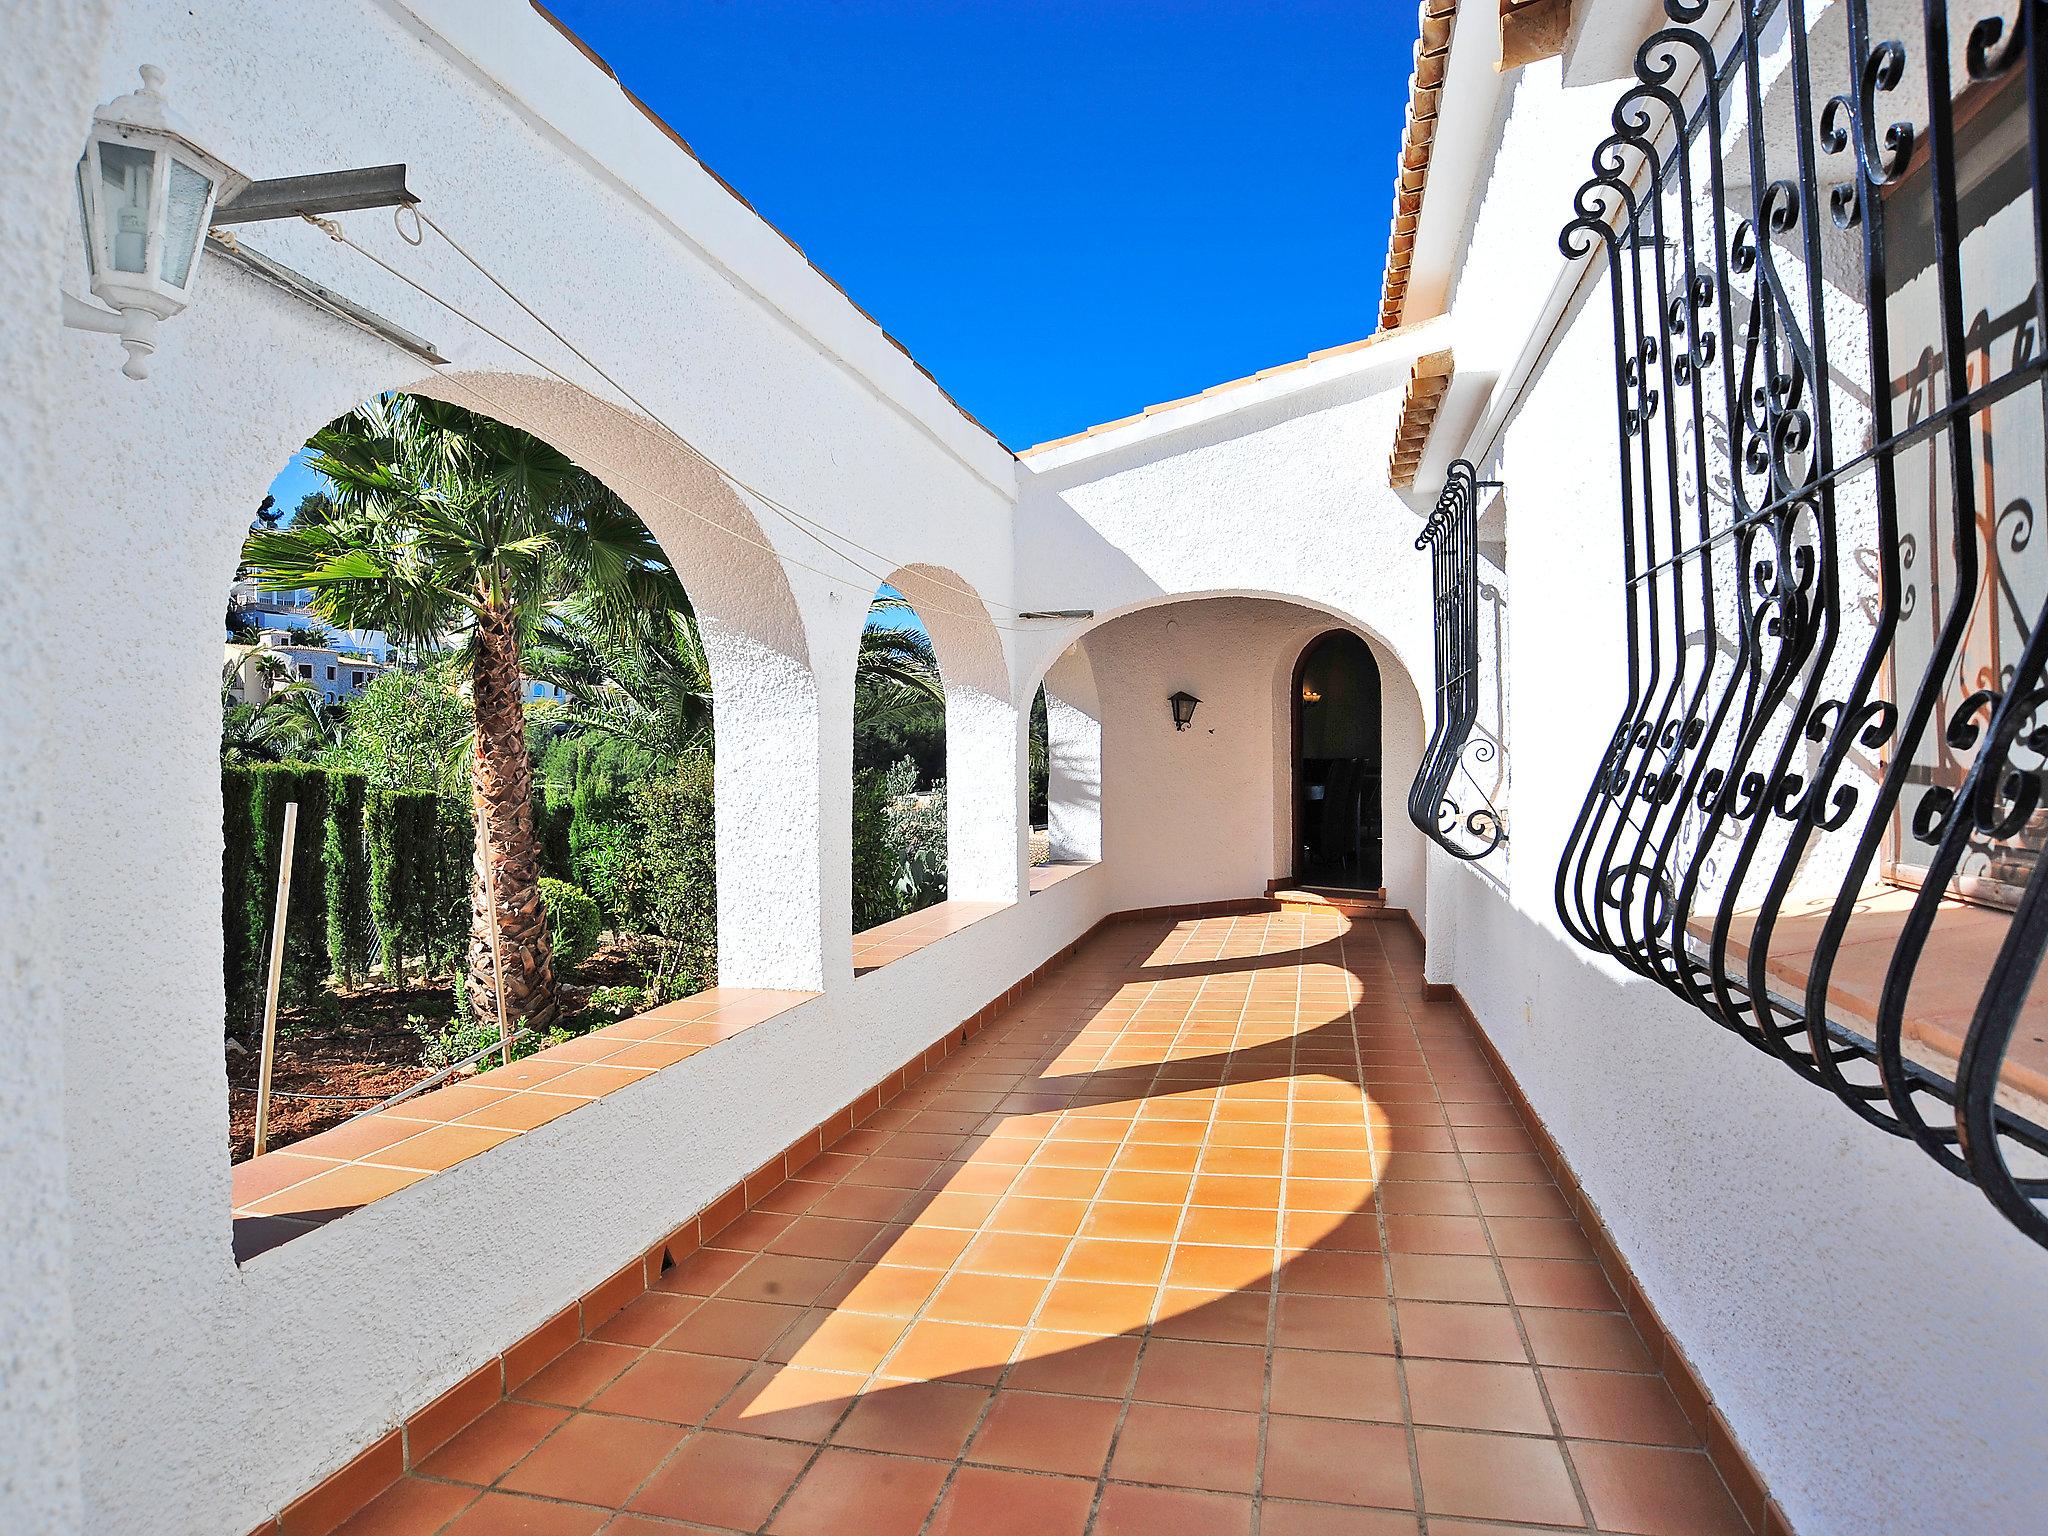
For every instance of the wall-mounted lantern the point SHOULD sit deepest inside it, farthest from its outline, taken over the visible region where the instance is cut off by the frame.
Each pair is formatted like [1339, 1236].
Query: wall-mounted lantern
[1183, 709]
[146, 195]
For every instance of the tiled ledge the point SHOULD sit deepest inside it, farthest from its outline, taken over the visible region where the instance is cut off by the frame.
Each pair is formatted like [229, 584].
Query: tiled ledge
[286, 1194]
[907, 935]
[1045, 876]
[1959, 951]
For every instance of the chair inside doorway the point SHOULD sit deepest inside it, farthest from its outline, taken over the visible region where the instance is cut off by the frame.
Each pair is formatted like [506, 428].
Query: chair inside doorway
[1337, 764]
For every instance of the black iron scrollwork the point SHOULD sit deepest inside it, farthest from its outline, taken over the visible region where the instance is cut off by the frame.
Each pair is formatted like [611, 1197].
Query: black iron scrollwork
[1473, 829]
[1836, 713]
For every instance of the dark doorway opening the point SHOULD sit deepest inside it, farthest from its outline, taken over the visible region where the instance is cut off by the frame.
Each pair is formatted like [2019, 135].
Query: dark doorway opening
[1337, 764]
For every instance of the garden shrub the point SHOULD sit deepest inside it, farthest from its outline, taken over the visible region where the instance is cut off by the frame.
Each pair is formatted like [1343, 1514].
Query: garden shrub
[306, 967]
[875, 898]
[418, 847]
[669, 875]
[406, 730]
[582, 792]
[608, 1005]
[241, 940]
[574, 923]
[917, 837]
[331, 920]
[350, 929]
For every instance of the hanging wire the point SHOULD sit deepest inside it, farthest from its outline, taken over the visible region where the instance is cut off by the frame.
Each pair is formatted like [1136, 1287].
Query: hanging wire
[653, 426]
[668, 435]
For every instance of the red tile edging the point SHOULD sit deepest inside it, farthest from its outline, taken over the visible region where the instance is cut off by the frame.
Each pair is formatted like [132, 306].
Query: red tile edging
[1745, 1483]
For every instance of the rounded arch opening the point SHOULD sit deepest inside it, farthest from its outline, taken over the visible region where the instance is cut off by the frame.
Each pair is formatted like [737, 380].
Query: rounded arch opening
[936, 765]
[472, 666]
[1338, 764]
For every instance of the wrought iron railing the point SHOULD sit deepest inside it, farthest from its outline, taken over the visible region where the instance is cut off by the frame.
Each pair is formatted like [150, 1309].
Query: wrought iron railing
[1459, 817]
[1819, 813]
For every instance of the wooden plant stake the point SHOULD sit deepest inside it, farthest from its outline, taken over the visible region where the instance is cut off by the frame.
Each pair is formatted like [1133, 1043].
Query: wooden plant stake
[270, 988]
[497, 950]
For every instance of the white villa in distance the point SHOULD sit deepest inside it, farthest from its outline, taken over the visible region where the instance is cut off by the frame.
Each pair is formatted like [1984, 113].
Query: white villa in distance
[1551, 1042]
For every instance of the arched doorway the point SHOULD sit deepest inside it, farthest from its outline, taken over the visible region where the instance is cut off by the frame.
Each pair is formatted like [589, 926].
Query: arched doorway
[1337, 764]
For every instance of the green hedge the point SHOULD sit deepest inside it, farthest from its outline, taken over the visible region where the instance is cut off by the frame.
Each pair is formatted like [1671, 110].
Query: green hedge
[419, 846]
[251, 835]
[374, 872]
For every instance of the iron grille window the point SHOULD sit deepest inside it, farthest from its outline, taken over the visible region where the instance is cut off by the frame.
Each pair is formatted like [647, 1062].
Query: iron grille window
[1820, 814]
[1446, 801]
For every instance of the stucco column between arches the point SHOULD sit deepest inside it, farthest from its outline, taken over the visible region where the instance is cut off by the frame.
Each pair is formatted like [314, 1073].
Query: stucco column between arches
[775, 761]
[1073, 751]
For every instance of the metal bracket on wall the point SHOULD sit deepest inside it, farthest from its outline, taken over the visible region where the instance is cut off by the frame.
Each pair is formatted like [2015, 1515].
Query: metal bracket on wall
[289, 197]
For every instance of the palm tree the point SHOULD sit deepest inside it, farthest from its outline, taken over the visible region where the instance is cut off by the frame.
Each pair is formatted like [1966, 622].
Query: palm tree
[897, 686]
[648, 685]
[292, 721]
[447, 527]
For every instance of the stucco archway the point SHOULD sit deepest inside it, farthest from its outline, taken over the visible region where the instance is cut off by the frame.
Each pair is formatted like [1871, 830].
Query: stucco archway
[984, 832]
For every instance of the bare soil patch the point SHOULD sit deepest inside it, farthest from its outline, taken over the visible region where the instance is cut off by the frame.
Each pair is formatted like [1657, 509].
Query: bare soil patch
[340, 1061]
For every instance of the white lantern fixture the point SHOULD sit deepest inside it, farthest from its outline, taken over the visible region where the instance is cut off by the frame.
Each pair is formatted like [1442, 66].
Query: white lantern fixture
[146, 195]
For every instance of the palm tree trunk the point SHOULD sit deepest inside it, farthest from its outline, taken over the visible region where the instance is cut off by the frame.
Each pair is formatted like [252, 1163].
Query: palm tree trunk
[506, 843]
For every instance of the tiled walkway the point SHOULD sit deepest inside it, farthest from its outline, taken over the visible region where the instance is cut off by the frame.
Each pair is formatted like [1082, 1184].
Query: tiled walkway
[1222, 1230]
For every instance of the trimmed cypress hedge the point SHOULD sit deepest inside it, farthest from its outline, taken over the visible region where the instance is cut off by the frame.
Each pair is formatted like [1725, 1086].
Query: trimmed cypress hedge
[374, 872]
[418, 877]
[349, 929]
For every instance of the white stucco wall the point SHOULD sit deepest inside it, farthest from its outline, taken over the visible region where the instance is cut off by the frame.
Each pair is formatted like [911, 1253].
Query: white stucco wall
[1207, 813]
[50, 43]
[1864, 1321]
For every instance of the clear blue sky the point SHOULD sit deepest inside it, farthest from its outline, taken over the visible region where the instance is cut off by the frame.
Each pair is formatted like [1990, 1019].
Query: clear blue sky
[1067, 211]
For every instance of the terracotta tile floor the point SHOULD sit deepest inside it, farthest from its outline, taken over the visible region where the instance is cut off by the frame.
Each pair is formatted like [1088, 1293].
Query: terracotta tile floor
[1221, 1230]
[1049, 874]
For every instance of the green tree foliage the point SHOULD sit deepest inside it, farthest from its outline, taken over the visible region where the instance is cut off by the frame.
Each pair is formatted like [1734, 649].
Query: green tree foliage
[444, 522]
[582, 793]
[875, 896]
[574, 923]
[644, 683]
[408, 730]
[899, 703]
[293, 723]
[1039, 772]
[669, 874]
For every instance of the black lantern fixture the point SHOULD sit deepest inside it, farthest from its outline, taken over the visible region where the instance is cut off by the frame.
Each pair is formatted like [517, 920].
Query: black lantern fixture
[1183, 709]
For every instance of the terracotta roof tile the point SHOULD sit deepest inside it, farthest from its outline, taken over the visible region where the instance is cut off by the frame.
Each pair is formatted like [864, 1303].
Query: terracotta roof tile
[1428, 382]
[1214, 389]
[1435, 21]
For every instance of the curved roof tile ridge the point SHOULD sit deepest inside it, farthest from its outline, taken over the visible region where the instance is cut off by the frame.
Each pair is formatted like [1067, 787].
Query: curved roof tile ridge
[1436, 20]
